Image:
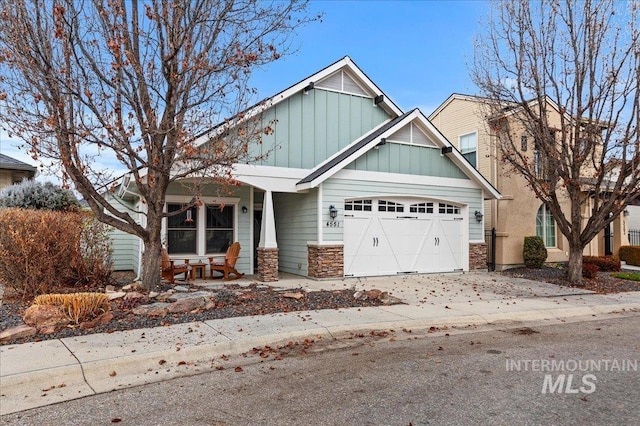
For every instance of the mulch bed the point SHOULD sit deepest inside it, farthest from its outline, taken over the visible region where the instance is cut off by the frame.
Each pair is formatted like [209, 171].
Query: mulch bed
[604, 283]
[231, 301]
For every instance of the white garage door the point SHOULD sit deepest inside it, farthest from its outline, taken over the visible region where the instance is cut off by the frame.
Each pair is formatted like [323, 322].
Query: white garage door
[391, 236]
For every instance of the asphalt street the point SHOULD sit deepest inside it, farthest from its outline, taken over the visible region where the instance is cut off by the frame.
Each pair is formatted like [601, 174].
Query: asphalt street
[578, 373]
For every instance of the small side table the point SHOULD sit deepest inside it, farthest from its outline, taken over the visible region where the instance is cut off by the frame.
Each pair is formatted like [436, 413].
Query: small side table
[195, 267]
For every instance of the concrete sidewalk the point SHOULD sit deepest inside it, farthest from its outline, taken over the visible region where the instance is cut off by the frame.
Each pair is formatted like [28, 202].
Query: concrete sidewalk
[42, 373]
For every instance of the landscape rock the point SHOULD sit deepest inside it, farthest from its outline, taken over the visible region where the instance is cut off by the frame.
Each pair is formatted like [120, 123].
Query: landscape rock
[180, 288]
[373, 294]
[186, 305]
[386, 299]
[153, 310]
[290, 295]
[17, 332]
[153, 294]
[116, 295]
[360, 295]
[102, 319]
[179, 296]
[127, 287]
[109, 289]
[45, 318]
[134, 295]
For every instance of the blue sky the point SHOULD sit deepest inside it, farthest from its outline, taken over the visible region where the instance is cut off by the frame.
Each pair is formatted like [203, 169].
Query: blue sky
[416, 51]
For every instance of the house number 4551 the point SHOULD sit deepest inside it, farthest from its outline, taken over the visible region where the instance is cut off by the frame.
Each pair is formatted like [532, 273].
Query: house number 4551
[333, 224]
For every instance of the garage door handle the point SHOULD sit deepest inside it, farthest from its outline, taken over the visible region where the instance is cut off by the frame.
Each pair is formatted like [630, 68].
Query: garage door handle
[375, 241]
[437, 241]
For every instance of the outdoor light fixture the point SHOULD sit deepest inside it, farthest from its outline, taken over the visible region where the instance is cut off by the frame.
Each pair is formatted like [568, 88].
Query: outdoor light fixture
[626, 213]
[378, 99]
[244, 209]
[333, 212]
[447, 150]
[189, 218]
[478, 215]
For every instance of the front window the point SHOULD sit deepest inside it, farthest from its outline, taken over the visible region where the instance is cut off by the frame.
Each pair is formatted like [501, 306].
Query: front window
[546, 226]
[469, 146]
[219, 228]
[182, 230]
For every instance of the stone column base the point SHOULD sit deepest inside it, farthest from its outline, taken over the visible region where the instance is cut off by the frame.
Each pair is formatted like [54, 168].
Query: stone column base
[477, 256]
[325, 261]
[267, 264]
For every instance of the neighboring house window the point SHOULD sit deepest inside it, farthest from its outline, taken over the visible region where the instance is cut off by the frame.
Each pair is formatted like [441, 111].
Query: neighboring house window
[182, 230]
[523, 143]
[469, 146]
[546, 226]
[219, 228]
[540, 166]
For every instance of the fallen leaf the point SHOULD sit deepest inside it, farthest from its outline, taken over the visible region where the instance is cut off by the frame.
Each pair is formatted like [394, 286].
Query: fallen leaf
[162, 362]
[238, 369]
[113, 374]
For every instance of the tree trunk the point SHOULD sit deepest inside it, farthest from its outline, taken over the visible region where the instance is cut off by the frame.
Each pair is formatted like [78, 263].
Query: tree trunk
[574, 268]
[151, 263]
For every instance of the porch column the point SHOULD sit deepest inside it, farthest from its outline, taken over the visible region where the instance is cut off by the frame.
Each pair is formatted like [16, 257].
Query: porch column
[268, 246]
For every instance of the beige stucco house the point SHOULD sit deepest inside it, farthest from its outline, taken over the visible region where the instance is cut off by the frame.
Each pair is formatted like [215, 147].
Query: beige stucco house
[463, 120]
[14, 171]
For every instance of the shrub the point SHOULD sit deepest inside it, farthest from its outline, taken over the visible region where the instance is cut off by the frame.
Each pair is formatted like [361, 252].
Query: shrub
[78, 307]
[605, 263]
[30, 194]
[41, 250]
[630, 254]
[534, 252]
[589, 270]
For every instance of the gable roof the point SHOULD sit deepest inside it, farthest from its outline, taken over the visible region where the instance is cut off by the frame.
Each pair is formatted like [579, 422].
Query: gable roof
[308, 83]
[368, 141]
[10, 163]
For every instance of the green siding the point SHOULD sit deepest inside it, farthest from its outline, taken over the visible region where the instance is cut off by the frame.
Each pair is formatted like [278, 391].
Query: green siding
[126, 247]
[335, 191]
[296, 224]
[310, 128]
[407, 159]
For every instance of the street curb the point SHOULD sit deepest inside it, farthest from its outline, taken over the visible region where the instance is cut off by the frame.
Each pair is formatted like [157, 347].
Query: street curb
[31, 389]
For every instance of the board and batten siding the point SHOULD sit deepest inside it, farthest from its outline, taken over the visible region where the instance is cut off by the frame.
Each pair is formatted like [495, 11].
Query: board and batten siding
[309, 128]
[335, 191]
[407, 159]
[126, 247]
[296, 224]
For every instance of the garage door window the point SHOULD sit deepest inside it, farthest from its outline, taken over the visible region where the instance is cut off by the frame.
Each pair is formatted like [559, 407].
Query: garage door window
[358, 205]
[448, 209]
[421, 208]
[390, 206]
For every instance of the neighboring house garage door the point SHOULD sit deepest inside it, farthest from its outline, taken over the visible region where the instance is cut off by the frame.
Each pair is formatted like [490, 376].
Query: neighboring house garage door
[391, 236]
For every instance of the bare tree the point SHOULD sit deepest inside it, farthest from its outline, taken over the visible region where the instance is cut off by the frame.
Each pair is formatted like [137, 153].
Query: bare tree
[566, 73]
[140, 81]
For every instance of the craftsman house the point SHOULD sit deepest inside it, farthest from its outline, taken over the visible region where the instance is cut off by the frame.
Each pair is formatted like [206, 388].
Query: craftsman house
[466, 122]
[351, 186]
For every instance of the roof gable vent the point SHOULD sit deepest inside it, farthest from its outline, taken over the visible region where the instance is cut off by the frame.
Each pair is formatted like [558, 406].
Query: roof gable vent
[342, 81]
[411, 134]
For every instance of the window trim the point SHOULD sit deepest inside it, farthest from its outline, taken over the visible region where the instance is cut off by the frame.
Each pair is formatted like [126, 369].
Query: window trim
[201, 224]
[542, 210]
[233, 227]
[475, 132]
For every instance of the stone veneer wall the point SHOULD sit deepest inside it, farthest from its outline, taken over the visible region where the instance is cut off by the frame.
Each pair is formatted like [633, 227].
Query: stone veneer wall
[267, 264]
[477, 256]
[325, 261]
